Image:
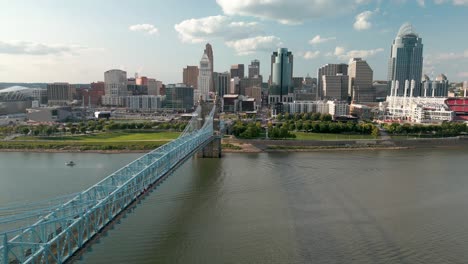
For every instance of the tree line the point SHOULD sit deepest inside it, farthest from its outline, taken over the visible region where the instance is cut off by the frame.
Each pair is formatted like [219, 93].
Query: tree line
[89, 126]
[444, 129]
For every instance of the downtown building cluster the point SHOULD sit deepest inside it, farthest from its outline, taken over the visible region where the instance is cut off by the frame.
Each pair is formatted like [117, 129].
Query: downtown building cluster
[339, 89]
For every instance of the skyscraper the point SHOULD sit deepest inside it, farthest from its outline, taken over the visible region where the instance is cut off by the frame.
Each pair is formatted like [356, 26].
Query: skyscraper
[204, 77]
[332, 70]
[406, 60]
[254, 68]
[221, 83]
[115, 87]
[237, 70]
[59, 93]
[190, 76]
[360, 81]
[281, 77]
[335, 87]
[209, 53]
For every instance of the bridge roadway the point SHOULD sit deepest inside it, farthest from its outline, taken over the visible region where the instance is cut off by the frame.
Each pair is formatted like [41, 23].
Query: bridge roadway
[67, 228]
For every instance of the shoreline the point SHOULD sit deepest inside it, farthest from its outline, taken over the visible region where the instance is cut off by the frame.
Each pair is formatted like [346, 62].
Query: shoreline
[268, 146]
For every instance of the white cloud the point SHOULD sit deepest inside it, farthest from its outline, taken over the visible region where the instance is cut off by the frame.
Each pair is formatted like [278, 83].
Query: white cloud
[311, 55]
[146, 28]
[251, 45]
[454, 2]
[421, 3]
[463, 74]
[362, 21]
[199, 30]
[288, 12]
[318, 39]
[342, 54]
[452, 55]
[34, 48]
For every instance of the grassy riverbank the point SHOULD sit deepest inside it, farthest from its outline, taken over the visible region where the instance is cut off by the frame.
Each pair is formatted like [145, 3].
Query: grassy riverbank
[110, 141]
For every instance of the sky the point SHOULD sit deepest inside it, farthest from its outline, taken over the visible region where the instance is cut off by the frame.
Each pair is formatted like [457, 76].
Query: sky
[76, 41]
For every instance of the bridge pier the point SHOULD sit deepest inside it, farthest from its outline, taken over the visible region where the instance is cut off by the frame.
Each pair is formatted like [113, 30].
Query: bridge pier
[212, 150]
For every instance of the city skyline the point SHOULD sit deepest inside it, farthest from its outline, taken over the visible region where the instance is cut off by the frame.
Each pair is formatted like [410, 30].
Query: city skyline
[158, 40]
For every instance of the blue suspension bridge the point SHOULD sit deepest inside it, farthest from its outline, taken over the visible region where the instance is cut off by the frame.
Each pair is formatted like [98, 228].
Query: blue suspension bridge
[53, 231]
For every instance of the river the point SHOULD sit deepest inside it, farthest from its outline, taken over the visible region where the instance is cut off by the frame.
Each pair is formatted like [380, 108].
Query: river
[402, 206]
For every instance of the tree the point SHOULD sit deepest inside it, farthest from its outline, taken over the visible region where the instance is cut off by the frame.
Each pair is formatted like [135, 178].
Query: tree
[25, 130]
[326, 117]
[73, 130]
[375, 132]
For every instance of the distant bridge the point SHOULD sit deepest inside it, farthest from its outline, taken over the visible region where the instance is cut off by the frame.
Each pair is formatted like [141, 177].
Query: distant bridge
[53, 231]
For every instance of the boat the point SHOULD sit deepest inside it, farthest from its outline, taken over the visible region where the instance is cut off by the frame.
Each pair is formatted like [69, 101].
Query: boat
[70, 163]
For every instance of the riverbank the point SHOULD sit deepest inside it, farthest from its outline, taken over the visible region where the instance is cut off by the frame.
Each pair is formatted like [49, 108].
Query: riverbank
[233, 145]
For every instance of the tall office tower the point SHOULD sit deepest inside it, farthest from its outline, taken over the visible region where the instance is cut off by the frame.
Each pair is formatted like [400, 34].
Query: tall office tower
[273, 59]
[59, 93]
[190, 76]
[209, 53]
[237, 70]
[221, 83]
[331, 70]
[115, 87]
[204, 77]
[154, 86]
[360, 81]
[335, 87]
[254, 68]
[406, 60]
[179, 97]
[281, 78]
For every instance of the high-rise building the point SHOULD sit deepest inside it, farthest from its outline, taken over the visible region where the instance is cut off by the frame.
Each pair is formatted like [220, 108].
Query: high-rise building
[204, 77]
[249, 82]
[221, 83]
[406, 60]
[335, 87]
[154, 87]
[209, 53]
[59, 94]
[298, 82]
[331, 70]
[237, 70]
[179, 97]
[234, 85]
[190, 76]
[360, 81]
[254, 68]
[115, 87]
[281, 77]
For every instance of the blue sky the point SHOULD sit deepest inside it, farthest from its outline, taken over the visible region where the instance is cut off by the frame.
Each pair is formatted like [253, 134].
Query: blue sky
[76, 41]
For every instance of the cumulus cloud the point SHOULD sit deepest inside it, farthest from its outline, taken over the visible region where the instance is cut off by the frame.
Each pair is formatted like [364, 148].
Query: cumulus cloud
[146, 28]
[342, 54]
[362, 21]
[199, 30]
[288, 11]
[250, 45]
[34, 48]
[454, 2]
[318, 39]
[463, 74]
[308, 55]
[452, 55]
[421, 3]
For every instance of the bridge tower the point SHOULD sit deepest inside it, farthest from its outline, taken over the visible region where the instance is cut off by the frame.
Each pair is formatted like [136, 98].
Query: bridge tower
[213, 149]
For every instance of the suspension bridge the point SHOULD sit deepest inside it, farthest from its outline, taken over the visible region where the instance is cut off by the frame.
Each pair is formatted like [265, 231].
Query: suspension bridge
[53, 231]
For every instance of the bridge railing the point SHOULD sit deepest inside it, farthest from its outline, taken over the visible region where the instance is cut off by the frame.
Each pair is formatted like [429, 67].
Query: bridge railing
[61, 232]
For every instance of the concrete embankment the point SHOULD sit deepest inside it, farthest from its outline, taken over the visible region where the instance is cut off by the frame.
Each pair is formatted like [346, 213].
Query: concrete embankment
[256, 145]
